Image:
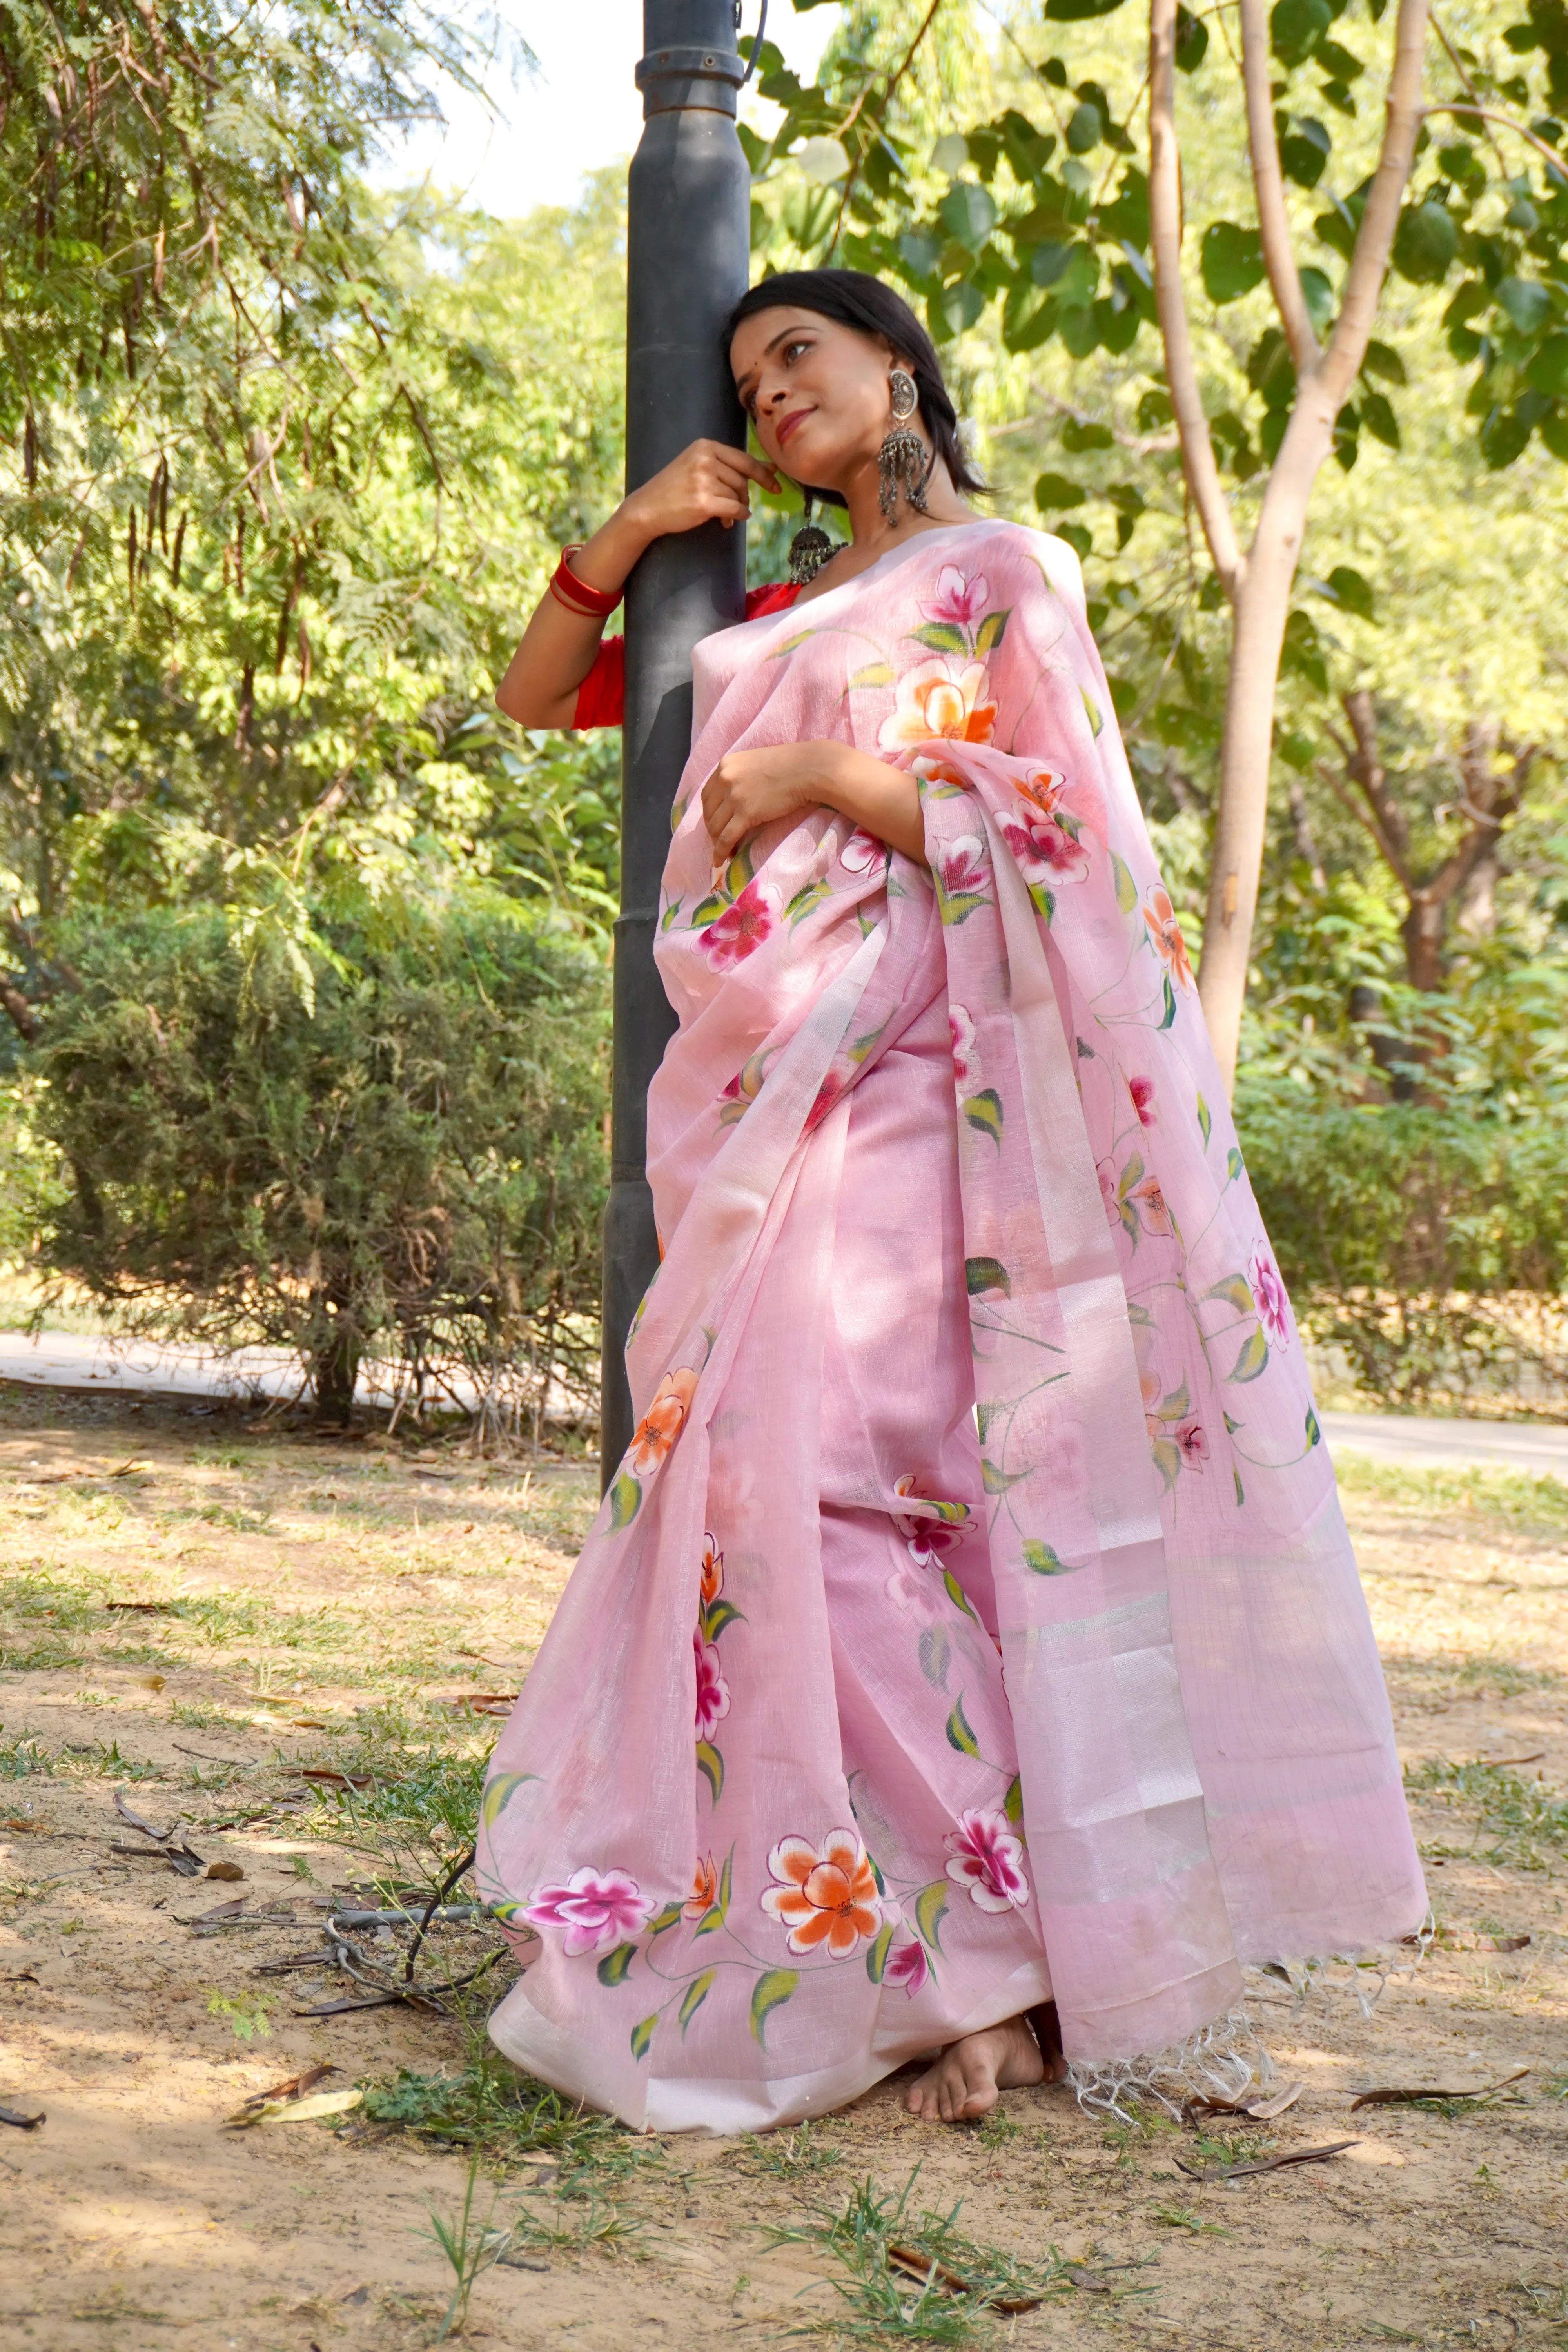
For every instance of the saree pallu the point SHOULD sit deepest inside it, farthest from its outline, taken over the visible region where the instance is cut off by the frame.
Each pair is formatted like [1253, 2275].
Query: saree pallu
[971, 1620]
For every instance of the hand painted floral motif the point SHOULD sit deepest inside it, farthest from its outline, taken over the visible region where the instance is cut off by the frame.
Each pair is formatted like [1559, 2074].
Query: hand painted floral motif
[1164, 935]
[1106, 1171]
[965, 1059]
[598, 1909]
[935, 1526]
[743, 928]
[713, 1690]
[828, 1899]
[908, 1966]
[1143, 1093]
[1152, 1207]
[1042, 787]
[1193, 1444]
[962, 878]
[742, 1090]
[862, 852]
[988, 1859]
[913, 1589]
[1048, 849]
[712, 1575]
[704, 1888]
[958, 601]
[659, 1427]
[937, 699]
[1268, 1290]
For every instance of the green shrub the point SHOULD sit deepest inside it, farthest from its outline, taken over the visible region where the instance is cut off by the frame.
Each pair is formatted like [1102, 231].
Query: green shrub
[383, 1140]
[1428, 1243]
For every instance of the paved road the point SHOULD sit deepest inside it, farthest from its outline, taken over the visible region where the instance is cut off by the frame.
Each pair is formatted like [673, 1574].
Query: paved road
[65, 1360]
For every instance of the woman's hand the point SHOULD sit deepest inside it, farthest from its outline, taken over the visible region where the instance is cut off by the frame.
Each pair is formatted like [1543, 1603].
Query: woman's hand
[710, 481]
[748, 789]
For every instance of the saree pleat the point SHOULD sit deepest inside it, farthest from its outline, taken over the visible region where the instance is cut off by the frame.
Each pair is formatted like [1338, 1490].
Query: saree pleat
[972, 1618]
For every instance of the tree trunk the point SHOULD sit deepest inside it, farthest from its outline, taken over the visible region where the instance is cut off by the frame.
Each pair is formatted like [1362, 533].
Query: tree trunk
[334, 1359]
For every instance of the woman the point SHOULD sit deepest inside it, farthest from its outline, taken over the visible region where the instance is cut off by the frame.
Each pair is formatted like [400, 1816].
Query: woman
[971, 1626]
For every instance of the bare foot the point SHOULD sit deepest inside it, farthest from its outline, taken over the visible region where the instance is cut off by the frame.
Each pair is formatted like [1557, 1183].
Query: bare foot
[966, 2078]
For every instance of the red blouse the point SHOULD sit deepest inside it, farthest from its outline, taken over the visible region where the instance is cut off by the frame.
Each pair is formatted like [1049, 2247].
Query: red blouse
[602, 697]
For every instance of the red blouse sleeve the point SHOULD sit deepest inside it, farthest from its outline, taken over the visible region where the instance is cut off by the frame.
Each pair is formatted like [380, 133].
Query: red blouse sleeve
[602, 697]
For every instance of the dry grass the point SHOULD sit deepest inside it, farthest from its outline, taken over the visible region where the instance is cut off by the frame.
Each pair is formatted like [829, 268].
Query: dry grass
[322, 1606]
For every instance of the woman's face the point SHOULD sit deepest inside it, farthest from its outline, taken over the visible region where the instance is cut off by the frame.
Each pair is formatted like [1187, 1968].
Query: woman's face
[817, 392]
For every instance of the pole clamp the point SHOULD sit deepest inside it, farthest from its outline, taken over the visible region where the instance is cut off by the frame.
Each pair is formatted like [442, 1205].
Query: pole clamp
[673, 79]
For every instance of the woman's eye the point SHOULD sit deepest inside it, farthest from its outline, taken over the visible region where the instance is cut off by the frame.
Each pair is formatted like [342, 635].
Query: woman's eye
[793, 351]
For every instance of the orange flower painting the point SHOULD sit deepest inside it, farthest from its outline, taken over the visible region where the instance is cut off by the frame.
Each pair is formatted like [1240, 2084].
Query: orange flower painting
[704, 1888]
[824, 1898]
[1165, 935]
[659, 1427]
[937, 699]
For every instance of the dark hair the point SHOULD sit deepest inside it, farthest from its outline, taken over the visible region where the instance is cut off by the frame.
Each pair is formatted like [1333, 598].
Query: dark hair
[852, 298]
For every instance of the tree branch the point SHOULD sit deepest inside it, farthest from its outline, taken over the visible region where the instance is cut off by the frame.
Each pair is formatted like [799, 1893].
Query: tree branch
[1268, 186]
[1375, 240]
[1490, 114]
[1165, 247]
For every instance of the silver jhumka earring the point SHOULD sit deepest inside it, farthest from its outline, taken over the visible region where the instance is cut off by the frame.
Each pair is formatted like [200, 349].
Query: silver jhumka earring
[903, 462]
[808, 550]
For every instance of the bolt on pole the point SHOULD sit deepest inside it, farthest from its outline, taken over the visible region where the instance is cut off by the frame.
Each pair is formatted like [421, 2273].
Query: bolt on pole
[688, 241]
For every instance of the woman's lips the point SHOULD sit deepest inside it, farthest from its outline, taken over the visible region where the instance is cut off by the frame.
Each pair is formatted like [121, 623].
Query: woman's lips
[786, 425]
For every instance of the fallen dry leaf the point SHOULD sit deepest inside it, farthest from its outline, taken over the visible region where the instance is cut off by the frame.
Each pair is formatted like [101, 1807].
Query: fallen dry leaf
[292, 2111]
[1266, 2163]
[26, 1828]
[132, 1469]
[150, 1682]
[230, 1910]
[144, 1608]
[325, 1779]
[1393, 2097]
[1538, 1755]
[139, 1822]
[293, 2087]
[1258, 2105]
[1501, 1942]
[230, 1870]
[922, 2267]
[22, 2120]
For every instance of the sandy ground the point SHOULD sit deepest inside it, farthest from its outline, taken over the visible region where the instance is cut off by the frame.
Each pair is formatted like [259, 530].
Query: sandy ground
[327, 1606]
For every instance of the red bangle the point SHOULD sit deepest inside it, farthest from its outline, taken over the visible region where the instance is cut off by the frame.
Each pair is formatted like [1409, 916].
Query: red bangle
[591, 604]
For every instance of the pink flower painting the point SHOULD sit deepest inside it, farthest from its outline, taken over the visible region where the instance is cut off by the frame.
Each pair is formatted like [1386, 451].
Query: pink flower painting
[989, 1860]
[598, 1909]
[1193, 1444]
[713, 1690]
[959, 601]
[966, 1060]
[862, 852]
[1150, 1201]
[743, 928]
[907, 1966]
[1143, 1093]
[1268, 1290]
[1043, 847]
[965, 872]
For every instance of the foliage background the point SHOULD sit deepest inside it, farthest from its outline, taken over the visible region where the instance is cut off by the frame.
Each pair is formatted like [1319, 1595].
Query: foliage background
[283, 460]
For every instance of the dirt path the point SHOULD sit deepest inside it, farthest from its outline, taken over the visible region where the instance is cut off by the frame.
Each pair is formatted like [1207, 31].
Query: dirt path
[327, 1608]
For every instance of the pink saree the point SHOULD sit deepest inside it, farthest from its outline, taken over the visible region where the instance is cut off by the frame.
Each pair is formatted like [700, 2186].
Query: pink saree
[971, 1620]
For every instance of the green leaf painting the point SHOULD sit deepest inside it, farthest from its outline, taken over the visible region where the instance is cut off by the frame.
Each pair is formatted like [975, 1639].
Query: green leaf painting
[1252, 1360]
[1126, 888]
[1205, 1124]
[983, 1111]
[626, 1499]
[958, 1734]
[877, 1957]
[1041, 1559]
[984, 1273]
[499, 1789]
[696, 1993]
[930, 1910]
[710, 1764]
[936, 1655]
[770, 1992]
[990, 632]
[614, 1969]
[642, 2036]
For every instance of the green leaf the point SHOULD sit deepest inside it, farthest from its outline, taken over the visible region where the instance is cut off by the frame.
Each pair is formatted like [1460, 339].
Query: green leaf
[614, 1968]
[1075, 12]
[943, 637]
[877, 1957]
[1092, 712]
[707, 910]
[1042, 1558]
[500, 1790]
[665, 1919]
[1314, 1434]
[983, 1273]
[715, 1619]
[958, 1734]
[1054, 491]
[992, 631]
[1232, 261]
[1296, 27]
[1240, 1489]
[1205, 1124]
[626, 1496]
[1548, 371]
[1504, 437]
[1236, 1290]
[997, 1481]
[876, 673]
[710, 1764]
[1352, 591]
[956, 1593]
[1175, 1406]
[1191, 41]
[935, 1656]
[697, 1992]
[1252, 1360]
[770, 1992]
[1126, 888]
[1426, 243]
[1167, 1460]
[1383, 361]
[983, 1110]
[1170, 1013]
[930, 1910]
[809, 895]
[1234, 1165]
[642, 2035]
[1012, 1803]
[1527, 303]
[968, 213]
[1131, 1173]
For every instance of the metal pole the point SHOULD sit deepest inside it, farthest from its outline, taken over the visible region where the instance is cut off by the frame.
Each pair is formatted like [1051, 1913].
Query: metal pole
[687, 238]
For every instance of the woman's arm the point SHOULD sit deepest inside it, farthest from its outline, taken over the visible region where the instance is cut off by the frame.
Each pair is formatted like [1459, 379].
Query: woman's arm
[748, 789]
[707, 480]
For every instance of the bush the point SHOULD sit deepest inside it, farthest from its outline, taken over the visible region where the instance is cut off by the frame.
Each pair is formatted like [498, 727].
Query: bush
[382, 1142]
[1429, 1244]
